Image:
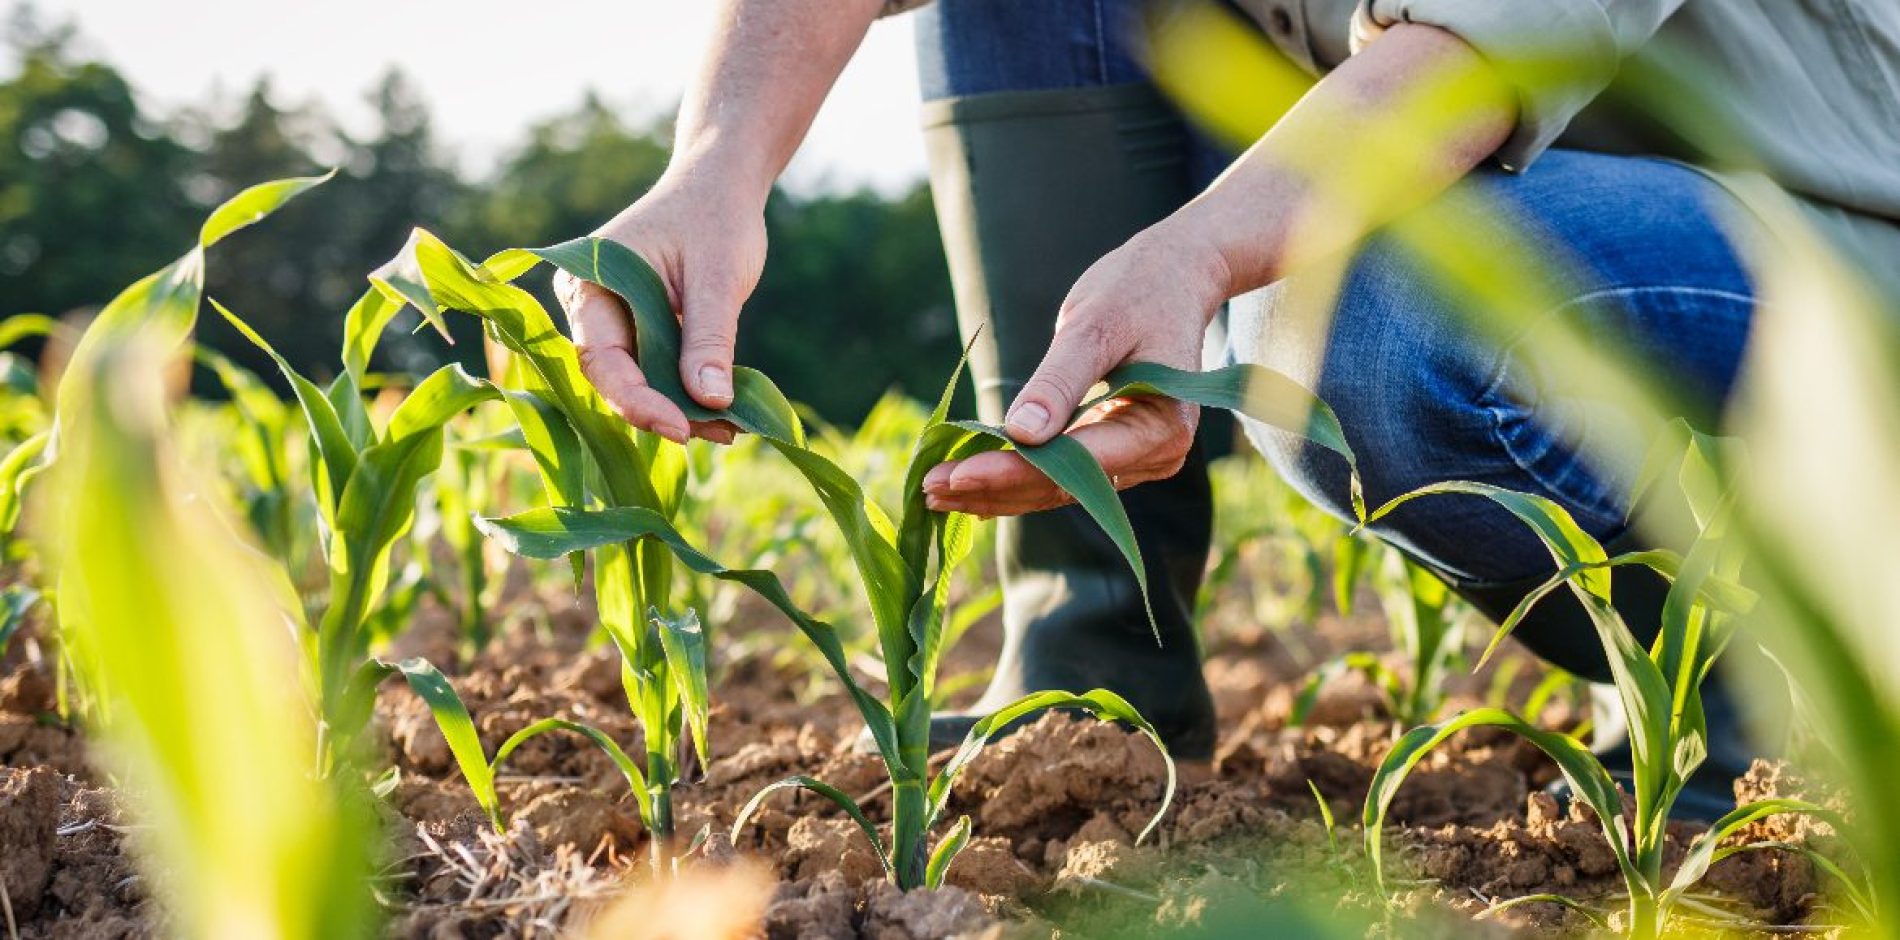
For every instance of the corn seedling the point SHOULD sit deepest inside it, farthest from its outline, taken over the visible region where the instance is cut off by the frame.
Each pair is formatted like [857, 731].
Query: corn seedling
[458, 729]
[157, 601]
[1425, 622]
[366, 479]
[1659, 689]
[587, 456]
[905, 567]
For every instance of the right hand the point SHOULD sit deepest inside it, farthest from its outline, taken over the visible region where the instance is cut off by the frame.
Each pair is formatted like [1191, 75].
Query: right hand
[708, 248]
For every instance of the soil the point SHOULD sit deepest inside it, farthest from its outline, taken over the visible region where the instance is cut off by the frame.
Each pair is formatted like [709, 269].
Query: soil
[1056, 807]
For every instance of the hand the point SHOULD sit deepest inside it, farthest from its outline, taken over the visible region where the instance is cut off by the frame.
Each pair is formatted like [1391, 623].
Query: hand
[709, 248]
[1148, 300]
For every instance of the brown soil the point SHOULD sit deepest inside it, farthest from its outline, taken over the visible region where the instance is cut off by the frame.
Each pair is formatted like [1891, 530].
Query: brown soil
[1056, 808]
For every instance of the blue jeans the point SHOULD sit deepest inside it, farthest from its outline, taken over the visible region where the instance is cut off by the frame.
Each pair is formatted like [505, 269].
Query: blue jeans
[1421, 398]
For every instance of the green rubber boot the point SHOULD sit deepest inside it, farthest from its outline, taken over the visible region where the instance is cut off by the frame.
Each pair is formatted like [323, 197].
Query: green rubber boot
[1031, 188]
[1560, 632]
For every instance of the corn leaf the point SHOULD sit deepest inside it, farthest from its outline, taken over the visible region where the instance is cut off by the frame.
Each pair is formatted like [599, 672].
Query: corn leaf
[458, 729]
[1702, 852]
[433, 277]
[946, 852]
[22, 326]
[447, 392]
[21, 464]
[684, 643]
[363, 327]
[1645, 694]
[158, 602]
[336, 454]
[1586, 775]
[15, 602]
[636, 781]
[550, 533]
[829, 792]
[1101, 703]
[165, 303]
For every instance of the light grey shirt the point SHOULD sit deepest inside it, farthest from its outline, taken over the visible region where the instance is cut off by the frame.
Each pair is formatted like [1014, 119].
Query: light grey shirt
[1807, 91]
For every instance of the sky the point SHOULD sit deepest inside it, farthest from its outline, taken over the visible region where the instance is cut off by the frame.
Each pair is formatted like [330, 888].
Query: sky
[489, 69]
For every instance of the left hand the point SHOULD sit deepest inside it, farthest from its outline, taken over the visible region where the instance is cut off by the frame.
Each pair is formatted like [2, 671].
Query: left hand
[1149, 300]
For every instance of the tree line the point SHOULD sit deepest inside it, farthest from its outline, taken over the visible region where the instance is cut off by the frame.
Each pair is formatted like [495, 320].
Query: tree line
[96, 191]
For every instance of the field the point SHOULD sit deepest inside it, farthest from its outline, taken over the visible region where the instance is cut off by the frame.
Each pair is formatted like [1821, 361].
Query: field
[322, 667]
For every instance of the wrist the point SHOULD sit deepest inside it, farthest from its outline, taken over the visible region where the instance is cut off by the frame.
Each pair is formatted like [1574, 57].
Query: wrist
[1198, 257]
[725, 178]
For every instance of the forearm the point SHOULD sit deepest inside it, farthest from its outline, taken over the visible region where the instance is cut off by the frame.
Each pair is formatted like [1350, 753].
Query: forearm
[1388, 130]
[769, 68]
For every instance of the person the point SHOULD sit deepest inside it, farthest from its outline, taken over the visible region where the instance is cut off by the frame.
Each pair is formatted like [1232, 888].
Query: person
[1088, 225]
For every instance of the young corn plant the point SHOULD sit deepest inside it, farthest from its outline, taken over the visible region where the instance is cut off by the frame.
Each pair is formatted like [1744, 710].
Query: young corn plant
[156, 600]
[1426, 628]
[366, 479]
[589, 460]
[1659, 689]
[905, 566]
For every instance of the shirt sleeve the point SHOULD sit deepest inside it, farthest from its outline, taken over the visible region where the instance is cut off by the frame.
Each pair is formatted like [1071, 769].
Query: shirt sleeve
[1557, 54]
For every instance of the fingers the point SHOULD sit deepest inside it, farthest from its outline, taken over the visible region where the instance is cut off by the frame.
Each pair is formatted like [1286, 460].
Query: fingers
[603, 341]
[1136, 440]
[1078, 357]
[709, 323]
[718, 432]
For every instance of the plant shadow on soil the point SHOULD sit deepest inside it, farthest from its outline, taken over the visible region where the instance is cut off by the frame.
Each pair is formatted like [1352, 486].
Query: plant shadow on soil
[1055, 807]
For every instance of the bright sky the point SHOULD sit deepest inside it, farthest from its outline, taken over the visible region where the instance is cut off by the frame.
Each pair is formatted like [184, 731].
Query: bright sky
[490, 67]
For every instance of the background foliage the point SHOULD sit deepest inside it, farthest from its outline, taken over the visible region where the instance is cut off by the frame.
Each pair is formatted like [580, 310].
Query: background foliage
[95, 190]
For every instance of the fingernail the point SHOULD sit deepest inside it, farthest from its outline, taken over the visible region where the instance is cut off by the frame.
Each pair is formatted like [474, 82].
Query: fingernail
[938, 479]
[935, 504]
[1029, 418]
[964, 483]
[715, 380]
[678, 435]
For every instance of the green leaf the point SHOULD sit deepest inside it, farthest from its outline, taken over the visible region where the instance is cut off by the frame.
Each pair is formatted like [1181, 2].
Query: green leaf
[684, 644]
[376, 508]
[1581, 768]
[25, 325]
[458, 729]
[758, 407]
[363, 327]
[332, 446]
[1101, 703]
[826, 790]
[165, 304]
[1702, 851]
[447, 392]
[636, 781]
[15, 602]
[1255, 391]
[552, 533]
[946, 852]
[254, 205]
[1070, 466]
[1597, 920]
[20, 466]
[1645, 694]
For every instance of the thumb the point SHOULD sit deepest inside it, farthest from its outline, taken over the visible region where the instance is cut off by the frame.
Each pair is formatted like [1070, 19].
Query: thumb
[709, 324]
[1074, 363]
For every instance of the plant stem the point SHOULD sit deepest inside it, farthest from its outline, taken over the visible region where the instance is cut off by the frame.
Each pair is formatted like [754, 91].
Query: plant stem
[909, 855]
[659, 799]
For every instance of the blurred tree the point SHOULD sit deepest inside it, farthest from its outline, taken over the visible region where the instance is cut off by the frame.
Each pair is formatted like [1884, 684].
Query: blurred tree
[857, 280]
[92, 192]
[93, 195]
